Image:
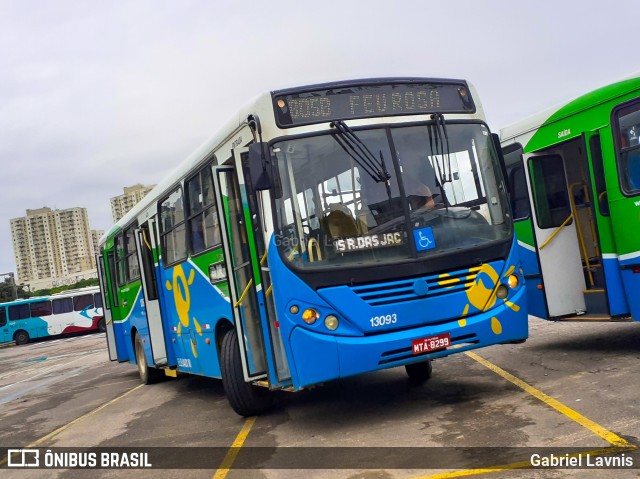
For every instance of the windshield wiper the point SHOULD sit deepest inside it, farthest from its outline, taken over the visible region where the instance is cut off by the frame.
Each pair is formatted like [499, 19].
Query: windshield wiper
[360, 153]
[437, 137]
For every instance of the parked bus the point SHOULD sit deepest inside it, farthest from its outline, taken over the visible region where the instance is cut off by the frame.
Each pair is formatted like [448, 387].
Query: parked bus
[574, 173]
[326, 231]
[49, 316]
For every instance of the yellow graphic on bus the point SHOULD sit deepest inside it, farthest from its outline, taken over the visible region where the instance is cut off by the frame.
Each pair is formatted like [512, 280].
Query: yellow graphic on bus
[182, 298]
[482, 293]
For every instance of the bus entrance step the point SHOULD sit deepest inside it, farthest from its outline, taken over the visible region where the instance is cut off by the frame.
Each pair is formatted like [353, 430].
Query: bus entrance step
[596, 301]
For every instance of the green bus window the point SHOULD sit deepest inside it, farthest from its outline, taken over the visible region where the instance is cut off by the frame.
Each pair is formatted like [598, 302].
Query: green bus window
[62, 305]
[40, 309]
[19, 311]
[549, 186]
[598, 175]
[120, 256]
[3, 317]
[628, 127]
[172, 222]
[517, 181]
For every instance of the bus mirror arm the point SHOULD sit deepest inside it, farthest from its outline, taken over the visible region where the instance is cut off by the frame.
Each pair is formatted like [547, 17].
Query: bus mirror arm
[503, 165]
[260, 166]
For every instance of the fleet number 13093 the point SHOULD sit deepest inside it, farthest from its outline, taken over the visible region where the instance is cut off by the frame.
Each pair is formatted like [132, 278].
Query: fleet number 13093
[377, 321]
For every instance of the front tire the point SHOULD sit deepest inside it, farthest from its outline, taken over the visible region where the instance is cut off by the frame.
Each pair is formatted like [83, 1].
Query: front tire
[419, 373]
[148, 375]
[21, 337]
[245, 399]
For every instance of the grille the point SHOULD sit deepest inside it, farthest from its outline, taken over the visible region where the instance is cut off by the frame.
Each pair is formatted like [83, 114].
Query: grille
[405, 290]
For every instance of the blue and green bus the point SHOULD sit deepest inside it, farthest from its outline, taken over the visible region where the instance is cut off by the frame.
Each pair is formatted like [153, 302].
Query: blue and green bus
[70, 311]
[326, 231]
[574, 172]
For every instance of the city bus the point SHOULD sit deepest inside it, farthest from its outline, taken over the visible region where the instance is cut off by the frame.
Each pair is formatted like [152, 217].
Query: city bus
[71, 311]
[327, 231]
[574, 174]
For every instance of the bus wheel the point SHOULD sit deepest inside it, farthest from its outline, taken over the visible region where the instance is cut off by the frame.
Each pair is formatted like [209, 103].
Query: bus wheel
[419, 373]
[21, 337]
[102, 326]
[245, 399]
[148, 375]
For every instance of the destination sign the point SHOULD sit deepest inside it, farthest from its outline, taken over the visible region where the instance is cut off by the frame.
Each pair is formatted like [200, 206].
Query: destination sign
[359, 243]
[365, 101]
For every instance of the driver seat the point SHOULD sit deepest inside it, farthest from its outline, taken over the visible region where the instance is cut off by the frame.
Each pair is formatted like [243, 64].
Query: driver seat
[339, 221]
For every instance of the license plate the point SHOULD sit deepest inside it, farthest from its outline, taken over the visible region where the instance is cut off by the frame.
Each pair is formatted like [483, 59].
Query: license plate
[433, 343]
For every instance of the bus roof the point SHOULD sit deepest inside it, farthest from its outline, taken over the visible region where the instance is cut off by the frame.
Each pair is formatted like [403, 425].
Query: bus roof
[578, 104]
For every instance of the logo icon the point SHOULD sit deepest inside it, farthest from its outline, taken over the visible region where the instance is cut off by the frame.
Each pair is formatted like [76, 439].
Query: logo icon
[424, 239]
[23, 458]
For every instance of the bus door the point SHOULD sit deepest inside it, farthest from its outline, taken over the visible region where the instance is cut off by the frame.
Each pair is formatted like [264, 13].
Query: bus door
[610, 268]
[145, 245]
[249, 290]
[556, 237]
[106, 309]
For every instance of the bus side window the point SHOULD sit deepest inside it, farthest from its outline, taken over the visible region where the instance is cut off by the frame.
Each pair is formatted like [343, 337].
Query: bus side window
[97, 300]
[173, 230]
[519, 196]
[3, 317]
[627, 125]
[203, 227]
[80, 303]
[19, 311]
[62, 305]
[41, 309]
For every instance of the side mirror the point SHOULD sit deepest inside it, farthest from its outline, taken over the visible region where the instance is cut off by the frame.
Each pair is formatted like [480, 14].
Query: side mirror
[260, 166]
[503, 164]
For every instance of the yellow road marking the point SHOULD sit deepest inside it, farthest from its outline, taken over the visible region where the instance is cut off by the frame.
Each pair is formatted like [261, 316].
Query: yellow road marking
[592, 426]
[620, 445]
[76, 421]
[231, 455]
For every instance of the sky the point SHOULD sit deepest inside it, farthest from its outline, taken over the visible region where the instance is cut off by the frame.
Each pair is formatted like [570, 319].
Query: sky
[96, 96]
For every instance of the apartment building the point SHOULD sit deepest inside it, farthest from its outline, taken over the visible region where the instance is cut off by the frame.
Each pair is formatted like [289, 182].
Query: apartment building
[53, 247]
[124, 202]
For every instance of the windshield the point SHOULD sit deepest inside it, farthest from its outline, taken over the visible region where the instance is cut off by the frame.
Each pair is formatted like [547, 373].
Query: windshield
[407, 193]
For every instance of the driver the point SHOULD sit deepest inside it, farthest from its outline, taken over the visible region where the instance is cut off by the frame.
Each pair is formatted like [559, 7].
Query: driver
[420, 197]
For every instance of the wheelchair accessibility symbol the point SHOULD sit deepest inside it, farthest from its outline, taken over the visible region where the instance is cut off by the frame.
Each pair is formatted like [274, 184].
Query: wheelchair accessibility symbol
[424, 239]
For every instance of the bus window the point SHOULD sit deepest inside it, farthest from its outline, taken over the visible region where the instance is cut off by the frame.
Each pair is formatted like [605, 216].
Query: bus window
[517, 181]
[62, 305]
[19, 311]
[120, 255]
[628, 126]
[202, 223]
[131, 259]
[174, 247]
[598, 174]
[549, 190]
[80, 303]
[97, 300]
[40, 309]
[3, 317]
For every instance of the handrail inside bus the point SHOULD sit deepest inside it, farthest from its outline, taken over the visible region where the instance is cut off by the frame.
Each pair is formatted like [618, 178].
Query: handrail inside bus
[546, 242]
[314, 242]
[583, 246]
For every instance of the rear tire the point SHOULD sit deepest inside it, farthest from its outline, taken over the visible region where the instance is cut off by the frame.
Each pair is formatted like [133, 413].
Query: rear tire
[102, 325]
[419, 373]
[148, 374]
[245, 399]
[21, 337]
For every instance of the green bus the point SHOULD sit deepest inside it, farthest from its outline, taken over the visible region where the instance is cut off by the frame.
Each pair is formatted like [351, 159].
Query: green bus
[574, 174]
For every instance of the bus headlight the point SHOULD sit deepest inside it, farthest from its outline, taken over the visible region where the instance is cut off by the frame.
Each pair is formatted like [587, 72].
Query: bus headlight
[310, 316]
[331, 322]
[513, 281]
[502, 291]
